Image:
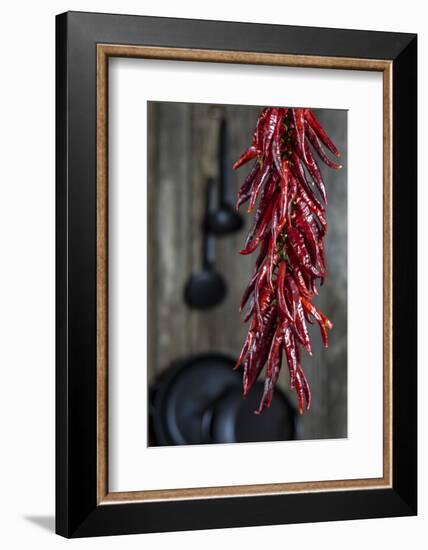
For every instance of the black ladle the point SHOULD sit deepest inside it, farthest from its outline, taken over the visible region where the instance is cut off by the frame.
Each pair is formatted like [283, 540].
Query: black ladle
[206, 288]
[225, 219]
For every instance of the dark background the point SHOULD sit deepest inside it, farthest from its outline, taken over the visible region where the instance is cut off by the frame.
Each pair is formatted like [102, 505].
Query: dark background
[183, 142]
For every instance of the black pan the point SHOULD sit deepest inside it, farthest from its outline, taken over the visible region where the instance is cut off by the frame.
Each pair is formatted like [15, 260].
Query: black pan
[199, 400]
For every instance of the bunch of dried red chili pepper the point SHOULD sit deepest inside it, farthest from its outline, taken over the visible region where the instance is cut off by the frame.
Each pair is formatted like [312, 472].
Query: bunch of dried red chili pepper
[288, 228]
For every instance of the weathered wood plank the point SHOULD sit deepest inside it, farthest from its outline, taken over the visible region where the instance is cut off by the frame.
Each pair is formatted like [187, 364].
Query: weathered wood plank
[183, 141]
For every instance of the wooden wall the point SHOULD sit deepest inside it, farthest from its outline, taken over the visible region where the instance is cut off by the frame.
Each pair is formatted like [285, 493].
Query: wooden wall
[183, 141]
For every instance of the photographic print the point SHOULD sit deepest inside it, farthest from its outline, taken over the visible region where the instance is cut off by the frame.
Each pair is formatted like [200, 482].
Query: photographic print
[229, 274]
[247, 273]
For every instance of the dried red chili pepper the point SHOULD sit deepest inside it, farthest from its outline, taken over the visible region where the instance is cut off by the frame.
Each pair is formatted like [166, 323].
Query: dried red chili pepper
[248, 155]
[282, 301]
[320, 132]
[245, 190]
[289, 226]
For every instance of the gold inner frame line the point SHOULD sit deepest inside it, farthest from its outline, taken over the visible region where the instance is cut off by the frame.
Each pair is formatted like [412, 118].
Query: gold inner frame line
[104, 51]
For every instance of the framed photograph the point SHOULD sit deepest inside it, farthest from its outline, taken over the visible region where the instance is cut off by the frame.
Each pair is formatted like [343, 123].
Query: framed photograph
[236, 274]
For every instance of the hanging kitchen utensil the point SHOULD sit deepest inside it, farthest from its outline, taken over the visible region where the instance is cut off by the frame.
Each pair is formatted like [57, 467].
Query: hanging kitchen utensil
[225, 219]
[206, 288]
[198, 400]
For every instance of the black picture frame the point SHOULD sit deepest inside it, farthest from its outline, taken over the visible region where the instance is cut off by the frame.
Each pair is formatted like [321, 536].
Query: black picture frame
[78, 513]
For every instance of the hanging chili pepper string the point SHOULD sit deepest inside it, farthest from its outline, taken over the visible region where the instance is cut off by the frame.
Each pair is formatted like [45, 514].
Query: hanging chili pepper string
[289, 227]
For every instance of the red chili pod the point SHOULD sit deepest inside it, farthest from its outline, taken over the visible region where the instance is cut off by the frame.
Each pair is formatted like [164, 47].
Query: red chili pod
[300, 327]
[244, 192]
[253, 240]
[313, 169]
[258, 132]
[305, 387]
[300, 251]
[299, 128]
[311, 239]
[299, 172]
[272, 372]
[260, 353]
[301, 283]
[249, 289]
[247, 344]
[268, 132]
[314, 209]
[250, 309]
[276, 144]
[323, 322]
[282, 302]
[299, 391]
[248, 155]
[316, 144]
[284, 186]
[320, 132]
[262, 295]
[290, 352]
[258, 184]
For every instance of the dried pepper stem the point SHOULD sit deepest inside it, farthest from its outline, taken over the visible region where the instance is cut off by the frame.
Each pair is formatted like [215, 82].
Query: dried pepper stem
[288, 229]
